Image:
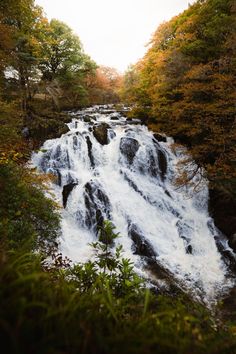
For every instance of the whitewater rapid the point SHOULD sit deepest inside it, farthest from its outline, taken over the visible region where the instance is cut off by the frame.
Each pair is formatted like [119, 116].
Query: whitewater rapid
[128, 179]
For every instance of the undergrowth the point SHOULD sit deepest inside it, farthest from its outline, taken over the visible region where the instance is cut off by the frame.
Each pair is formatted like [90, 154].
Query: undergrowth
[101, 306]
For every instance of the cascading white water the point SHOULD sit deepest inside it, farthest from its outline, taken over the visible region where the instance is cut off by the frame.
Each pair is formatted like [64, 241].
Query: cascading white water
[129, 180]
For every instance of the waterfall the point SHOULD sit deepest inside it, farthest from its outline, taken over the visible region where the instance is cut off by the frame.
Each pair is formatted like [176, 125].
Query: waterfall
[107, 167]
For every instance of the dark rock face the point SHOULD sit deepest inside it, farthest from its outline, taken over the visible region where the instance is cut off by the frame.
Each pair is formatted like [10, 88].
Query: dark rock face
[160, 137]
[223, 210]
[67, 189]
[58, 175]
[162, 163]
[153, 167]
[90, 154]
[232, 242]
[97, 206]
[140, 246]
[101, 134]
[129, 147]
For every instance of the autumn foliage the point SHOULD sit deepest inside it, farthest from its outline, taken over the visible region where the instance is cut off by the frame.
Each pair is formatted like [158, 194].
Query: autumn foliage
[185, 86]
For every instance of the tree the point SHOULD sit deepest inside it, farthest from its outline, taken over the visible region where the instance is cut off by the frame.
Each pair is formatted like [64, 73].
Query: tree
[187, 80]
[64, 62]
[104, 87]
[23, 19]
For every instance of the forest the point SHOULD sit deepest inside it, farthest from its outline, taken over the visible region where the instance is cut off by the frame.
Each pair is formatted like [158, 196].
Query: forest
[183, 87]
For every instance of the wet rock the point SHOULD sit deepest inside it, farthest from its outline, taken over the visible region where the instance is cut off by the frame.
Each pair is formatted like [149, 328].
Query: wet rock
[222, 208]
[67, 189]
[115, 116]
[232, 242]
[88, 119]
[129, 147]
[160, 138]
[168, 193]
[227, 253]
[100, 221]
[162, 163]
[230, 260]
[75, 141]
[185, 232]
[111, 134]
[106, 111]
[90, 153]
[153, 168]
[160, 273]
[44, 163]
[141, 246]
[132, 184]
[123, 113]
[101, 133]
[97, 206]
[57, 153]
[59, 179]
[189, 249]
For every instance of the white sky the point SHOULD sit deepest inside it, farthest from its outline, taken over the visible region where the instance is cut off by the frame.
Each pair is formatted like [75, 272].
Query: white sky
[114, 32]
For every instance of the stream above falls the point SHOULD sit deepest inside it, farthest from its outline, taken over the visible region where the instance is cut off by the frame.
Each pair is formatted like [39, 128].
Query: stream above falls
[111, 168]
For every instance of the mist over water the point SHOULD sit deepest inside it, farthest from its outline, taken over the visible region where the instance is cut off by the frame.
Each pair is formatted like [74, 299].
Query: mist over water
[128, 179]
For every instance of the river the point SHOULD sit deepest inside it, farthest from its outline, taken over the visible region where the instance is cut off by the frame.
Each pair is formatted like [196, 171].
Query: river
[108, 168]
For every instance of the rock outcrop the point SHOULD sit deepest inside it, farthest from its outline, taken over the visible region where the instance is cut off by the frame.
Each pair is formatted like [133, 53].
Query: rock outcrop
[129, 147]
[101, 133]
[67, 189]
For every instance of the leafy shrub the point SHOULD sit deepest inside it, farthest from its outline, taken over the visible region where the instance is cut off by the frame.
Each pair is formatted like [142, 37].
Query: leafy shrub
[80, 310]
[27, 218]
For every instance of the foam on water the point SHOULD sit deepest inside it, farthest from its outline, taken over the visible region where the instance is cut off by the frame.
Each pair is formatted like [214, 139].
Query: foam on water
[133, 192]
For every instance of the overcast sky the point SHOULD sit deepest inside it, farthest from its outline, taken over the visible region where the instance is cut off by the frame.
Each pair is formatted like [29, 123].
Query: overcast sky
[114, 32]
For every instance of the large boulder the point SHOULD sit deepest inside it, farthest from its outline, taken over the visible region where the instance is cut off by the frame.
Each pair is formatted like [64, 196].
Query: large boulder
[159, 137]
[101, 133]
[129, 147]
